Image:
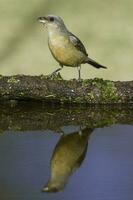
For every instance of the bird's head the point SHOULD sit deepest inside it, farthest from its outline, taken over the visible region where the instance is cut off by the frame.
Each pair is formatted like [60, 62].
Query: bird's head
[54, 186]
[52, 22]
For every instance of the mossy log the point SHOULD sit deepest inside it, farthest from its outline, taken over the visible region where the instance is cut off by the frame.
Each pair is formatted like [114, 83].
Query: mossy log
[56, 90]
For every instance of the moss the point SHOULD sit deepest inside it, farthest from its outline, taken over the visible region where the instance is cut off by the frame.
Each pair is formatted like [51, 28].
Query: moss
[109, 92]
[90, 98]
[1, 76]
[78, 99]
[86, 82]
[106, 90]
[22, 93]
[50, 96]
[63, 100]
[44, 77]
[13, 80]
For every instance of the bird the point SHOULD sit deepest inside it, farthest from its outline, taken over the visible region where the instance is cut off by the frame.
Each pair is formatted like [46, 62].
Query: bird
[65, 47]
[68, 155]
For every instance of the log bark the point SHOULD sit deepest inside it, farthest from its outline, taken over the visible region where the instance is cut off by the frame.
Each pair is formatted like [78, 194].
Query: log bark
[56, 90]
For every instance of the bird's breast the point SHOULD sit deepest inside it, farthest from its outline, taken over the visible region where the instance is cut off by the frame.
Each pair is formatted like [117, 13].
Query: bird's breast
[65, 52]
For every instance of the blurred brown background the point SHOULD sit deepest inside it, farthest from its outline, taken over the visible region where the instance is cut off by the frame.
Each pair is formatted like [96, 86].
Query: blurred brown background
[105, 27]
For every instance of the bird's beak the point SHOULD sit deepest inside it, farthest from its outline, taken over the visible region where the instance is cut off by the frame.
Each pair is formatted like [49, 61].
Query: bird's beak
[50, 189]
[42, 20]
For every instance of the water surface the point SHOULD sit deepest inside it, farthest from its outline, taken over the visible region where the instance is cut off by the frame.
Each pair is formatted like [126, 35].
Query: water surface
[87, 162]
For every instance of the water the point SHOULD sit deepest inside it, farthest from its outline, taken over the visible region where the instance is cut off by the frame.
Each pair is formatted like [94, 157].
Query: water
[88, 151]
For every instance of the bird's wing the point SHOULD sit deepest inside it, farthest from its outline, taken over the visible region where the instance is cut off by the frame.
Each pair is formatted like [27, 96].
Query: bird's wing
[77, 43]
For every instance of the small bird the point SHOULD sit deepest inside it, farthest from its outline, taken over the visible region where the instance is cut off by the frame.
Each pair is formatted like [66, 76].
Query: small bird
[65, 47]
[68, 155]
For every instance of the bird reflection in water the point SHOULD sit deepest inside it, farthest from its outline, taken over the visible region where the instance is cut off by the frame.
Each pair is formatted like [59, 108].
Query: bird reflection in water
[68, 155]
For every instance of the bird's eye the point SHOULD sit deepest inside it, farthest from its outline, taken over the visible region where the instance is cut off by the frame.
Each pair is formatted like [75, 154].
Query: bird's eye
[51, 19]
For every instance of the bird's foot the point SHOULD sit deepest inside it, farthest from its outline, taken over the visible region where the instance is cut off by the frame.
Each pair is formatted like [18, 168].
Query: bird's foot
[55, 76]
[79, 80]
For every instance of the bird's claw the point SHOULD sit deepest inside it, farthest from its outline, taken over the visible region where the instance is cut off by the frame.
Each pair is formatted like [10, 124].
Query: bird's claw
[79, 80]
[55, 76]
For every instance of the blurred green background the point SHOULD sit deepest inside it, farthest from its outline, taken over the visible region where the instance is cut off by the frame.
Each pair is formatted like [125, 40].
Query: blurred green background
[105, 27]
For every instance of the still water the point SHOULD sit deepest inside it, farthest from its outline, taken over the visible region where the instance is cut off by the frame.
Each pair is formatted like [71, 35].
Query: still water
[66, 153]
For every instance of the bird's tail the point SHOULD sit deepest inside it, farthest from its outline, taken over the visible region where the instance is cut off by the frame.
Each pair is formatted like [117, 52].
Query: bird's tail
[94, 63]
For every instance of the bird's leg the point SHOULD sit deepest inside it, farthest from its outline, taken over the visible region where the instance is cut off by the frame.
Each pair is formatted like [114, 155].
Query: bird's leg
[57, 70]
[79, 73]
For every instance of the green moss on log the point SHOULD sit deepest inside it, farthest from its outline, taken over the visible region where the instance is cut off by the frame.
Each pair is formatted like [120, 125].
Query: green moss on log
[56, 90]
[106, 90]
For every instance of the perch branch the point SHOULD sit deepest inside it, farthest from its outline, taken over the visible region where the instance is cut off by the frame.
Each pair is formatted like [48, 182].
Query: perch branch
[91, 91]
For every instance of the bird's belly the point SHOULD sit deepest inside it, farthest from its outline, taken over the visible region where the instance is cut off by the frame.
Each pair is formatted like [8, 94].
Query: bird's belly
[67, 55]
